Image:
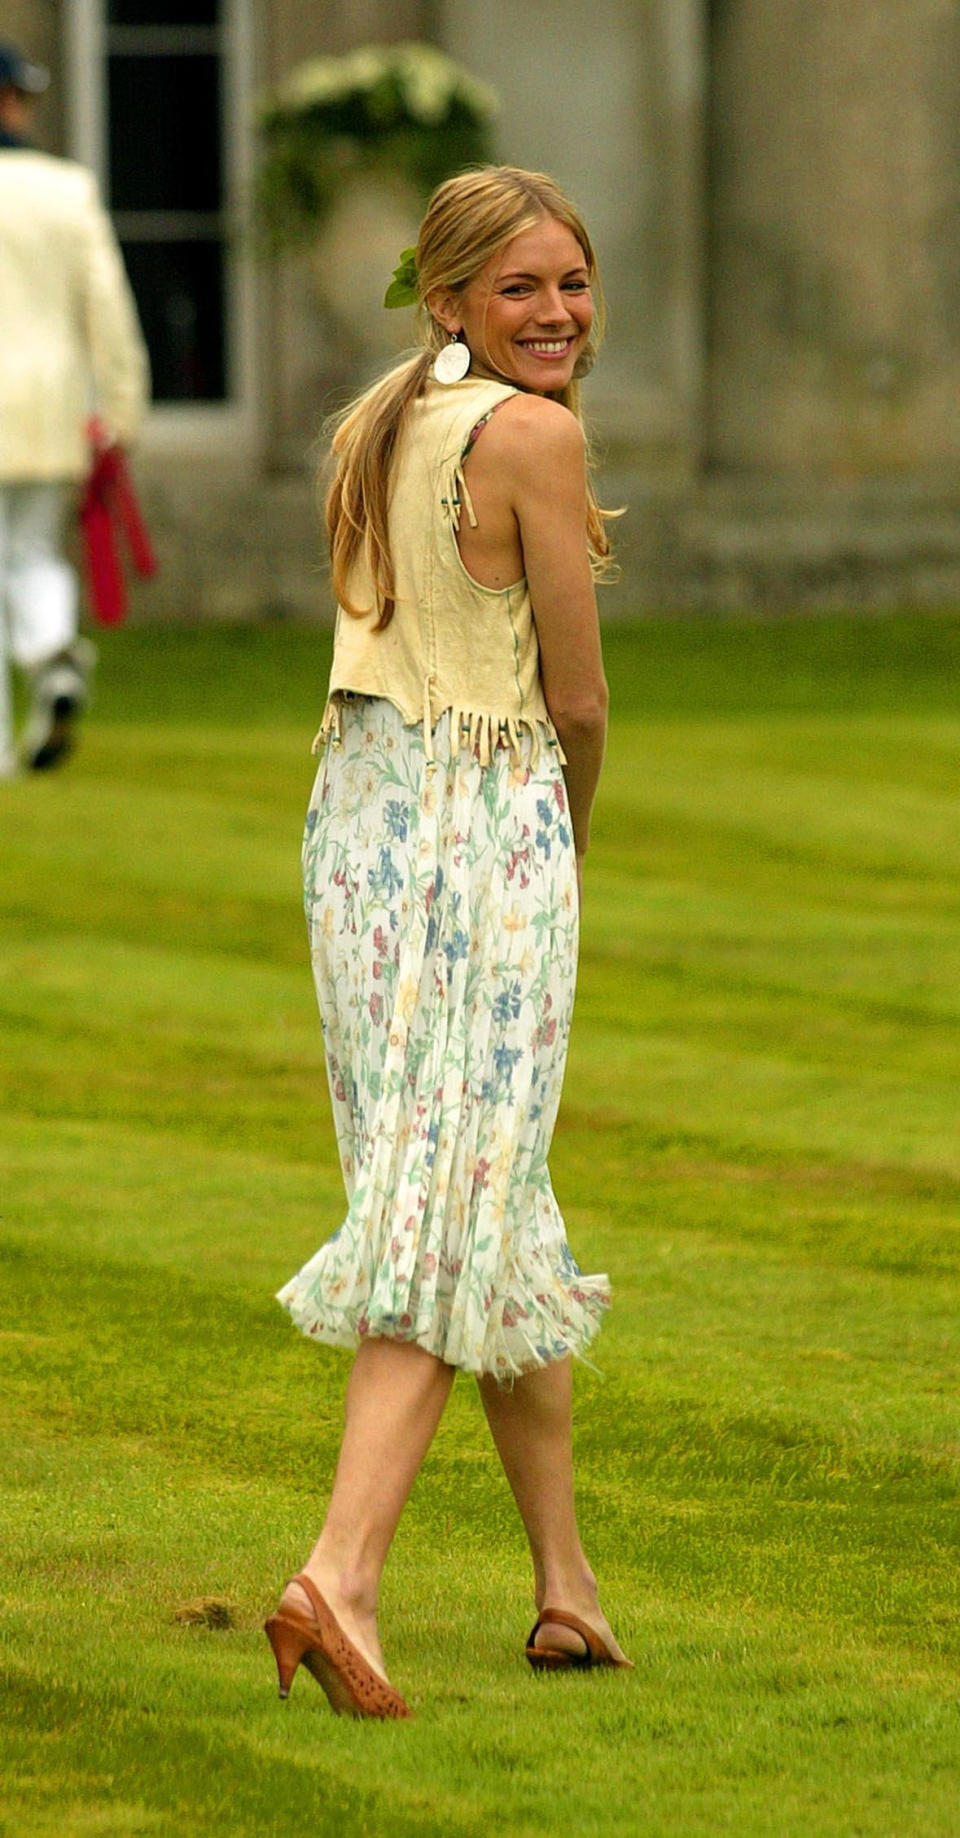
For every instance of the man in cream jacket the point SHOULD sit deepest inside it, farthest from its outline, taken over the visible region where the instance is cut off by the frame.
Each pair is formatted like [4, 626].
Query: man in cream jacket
[70, 346]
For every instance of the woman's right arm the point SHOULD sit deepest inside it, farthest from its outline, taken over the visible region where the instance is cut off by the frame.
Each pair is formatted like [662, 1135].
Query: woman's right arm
[545, 475]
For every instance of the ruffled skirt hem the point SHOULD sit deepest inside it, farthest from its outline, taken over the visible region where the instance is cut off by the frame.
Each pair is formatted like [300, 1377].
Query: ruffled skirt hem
[520, 1337]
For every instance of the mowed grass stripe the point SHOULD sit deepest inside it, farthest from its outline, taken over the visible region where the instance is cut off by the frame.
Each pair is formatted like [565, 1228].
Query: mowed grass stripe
[758, 1140]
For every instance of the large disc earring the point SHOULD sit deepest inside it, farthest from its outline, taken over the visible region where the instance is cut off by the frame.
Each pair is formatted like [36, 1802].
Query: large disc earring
[452, 363]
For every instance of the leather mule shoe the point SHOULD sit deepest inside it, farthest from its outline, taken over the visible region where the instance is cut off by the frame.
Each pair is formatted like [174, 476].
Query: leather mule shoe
[557, 1659]
[318, 1642]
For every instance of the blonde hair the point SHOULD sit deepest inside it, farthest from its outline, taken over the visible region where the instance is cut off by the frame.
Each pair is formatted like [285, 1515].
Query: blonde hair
[469, 219]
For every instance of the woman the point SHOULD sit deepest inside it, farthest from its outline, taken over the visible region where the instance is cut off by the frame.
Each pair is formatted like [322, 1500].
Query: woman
[443, 865]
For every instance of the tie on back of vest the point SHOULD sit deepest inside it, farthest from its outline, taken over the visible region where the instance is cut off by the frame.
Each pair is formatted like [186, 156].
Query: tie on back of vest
[452, 643]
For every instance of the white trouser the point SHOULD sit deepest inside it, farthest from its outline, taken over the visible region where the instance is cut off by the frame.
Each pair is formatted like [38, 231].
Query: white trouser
[38, 589]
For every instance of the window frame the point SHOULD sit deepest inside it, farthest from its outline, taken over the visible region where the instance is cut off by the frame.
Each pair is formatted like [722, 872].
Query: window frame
[230, 426]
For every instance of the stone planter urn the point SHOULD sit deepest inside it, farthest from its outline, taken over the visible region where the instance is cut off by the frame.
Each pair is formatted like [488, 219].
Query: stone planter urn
[350, 149]
[374, 217]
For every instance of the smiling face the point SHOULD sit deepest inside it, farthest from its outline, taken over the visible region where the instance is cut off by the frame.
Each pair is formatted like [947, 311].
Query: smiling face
[527, 315]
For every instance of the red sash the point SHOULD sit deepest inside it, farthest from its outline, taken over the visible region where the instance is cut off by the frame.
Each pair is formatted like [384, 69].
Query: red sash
[109, 503]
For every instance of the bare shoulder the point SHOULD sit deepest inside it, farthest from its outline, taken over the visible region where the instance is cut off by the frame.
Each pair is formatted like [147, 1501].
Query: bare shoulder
[531, 432]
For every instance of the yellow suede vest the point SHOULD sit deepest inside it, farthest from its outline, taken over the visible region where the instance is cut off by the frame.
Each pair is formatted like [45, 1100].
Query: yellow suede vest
[452, 643]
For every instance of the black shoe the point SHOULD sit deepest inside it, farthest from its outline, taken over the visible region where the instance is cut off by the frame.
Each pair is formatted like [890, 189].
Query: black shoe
[60, 694]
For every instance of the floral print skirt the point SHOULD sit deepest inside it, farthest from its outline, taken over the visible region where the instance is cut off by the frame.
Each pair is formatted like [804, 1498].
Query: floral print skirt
[442, 912]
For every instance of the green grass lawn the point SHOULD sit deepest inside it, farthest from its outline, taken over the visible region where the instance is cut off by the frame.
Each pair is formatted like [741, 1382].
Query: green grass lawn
[759, 1141]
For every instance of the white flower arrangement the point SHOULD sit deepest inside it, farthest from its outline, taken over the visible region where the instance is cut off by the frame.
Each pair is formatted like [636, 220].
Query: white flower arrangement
[428, 81]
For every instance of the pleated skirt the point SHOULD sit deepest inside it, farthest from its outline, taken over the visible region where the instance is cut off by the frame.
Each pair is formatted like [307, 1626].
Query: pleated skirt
[442, 913]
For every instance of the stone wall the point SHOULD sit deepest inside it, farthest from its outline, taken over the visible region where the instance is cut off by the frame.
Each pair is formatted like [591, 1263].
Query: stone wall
[232, 548]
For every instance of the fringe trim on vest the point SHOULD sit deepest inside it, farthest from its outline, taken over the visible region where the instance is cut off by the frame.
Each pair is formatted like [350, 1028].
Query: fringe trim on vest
[479, 734]
[459, 495]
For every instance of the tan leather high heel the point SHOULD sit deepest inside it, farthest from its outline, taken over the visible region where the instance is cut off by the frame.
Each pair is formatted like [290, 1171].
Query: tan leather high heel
[557, 1659]
[319, 1643]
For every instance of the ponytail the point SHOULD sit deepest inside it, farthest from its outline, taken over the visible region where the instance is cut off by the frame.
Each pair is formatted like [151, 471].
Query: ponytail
[364, 445]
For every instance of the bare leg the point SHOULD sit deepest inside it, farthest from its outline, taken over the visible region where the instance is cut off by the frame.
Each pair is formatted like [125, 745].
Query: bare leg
[531, 1426]
[395, 1398]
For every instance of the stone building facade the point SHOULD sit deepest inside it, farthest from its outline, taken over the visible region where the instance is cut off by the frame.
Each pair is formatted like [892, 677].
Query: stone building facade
[774, 188]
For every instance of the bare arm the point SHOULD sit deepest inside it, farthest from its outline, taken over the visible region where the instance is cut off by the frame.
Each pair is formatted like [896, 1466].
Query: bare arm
[547, 481]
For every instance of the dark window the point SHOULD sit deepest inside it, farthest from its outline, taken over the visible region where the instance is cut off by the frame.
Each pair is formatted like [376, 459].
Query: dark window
[167, 187]
[165, 133]
[162, 12]
[179, 289]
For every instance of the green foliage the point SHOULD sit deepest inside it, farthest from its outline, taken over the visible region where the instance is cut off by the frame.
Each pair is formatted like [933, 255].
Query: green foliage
[758, 1141]
[404, 288]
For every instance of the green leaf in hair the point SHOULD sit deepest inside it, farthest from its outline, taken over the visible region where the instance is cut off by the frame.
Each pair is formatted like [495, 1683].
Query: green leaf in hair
[404, 289]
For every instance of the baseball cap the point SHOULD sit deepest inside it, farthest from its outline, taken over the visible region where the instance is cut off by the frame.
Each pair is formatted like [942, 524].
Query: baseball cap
[17, 73]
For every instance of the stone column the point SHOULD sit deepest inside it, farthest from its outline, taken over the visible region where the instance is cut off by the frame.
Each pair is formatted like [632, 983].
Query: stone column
[835, 246]
[609, 99]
